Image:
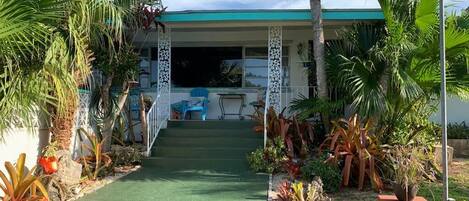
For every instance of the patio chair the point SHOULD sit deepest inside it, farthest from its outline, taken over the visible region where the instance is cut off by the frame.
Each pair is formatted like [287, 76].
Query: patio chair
[197, 103]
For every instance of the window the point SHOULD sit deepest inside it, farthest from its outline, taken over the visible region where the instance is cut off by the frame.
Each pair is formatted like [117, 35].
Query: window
[145, 68]
[256, 67]
[207, 66]
[213, 67]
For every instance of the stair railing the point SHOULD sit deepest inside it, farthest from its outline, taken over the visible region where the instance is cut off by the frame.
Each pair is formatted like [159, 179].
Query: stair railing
[155, 121]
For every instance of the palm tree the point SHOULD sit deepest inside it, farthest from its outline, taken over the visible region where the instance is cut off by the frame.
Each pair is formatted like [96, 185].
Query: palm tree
[318, 51]
[45, 50]
[318, 48]
[26, 84]
[94, 23]
[387, 76]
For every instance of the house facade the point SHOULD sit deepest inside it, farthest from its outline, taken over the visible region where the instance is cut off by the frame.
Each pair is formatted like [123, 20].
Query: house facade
[259, 53]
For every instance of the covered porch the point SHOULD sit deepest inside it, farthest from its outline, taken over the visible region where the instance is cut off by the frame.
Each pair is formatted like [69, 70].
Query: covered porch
[255, 53]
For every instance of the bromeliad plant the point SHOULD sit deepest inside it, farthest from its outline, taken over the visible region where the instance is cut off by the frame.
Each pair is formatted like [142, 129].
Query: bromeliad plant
[49, 161]
[23, 184]
[96, 163]
[298, 191]
[296, 134]
[351, 144]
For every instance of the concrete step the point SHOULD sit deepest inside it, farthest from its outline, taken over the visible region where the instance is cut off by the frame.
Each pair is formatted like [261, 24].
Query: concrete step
[214, 133]
[209, 142]
[212, 124]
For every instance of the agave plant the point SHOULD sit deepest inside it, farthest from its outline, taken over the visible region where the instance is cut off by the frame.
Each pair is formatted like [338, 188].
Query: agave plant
[98, 161]
[351, 143]
[22, 184]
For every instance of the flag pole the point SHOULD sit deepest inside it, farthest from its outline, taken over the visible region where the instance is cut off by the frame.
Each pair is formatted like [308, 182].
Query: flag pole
[443, 99]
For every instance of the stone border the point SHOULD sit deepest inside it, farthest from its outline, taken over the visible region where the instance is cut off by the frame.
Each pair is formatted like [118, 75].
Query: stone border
[101, 183]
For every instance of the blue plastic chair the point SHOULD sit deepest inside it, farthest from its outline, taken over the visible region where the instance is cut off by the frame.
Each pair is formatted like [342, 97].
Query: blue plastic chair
[201, 106]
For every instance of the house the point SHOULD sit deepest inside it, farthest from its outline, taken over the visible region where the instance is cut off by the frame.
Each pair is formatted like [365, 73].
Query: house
[251, 53]
[229, 51]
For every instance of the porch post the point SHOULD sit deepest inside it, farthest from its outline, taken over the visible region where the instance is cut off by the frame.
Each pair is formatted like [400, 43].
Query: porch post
[164, 75]
[274, 83]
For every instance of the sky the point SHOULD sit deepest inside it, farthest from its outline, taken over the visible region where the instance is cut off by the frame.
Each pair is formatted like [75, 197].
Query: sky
[179, 5]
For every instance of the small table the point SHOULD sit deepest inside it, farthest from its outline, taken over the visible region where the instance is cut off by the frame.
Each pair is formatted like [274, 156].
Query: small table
[232, 96]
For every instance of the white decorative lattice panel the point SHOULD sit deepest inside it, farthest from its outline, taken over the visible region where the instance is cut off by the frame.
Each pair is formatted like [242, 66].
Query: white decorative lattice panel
[82, 116]
[164, 73]
[274, 85]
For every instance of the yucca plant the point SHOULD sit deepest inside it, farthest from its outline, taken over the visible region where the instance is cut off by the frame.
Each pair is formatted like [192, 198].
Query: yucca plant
[350, 143]
[22, 185]
[97, 161]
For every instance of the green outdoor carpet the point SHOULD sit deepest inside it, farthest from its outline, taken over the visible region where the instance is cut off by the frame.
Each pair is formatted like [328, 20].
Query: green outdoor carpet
[194, 161]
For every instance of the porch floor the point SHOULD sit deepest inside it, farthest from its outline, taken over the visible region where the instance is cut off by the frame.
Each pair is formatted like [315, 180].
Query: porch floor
[192, 161]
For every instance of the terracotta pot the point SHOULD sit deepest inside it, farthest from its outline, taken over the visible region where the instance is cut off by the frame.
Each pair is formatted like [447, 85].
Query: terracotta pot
[49, 164]
[404, 194]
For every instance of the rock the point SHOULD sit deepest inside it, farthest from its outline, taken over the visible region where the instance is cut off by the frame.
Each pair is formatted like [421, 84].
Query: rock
[54, 193]
[316, 186]
[69, 171]
[75, 190]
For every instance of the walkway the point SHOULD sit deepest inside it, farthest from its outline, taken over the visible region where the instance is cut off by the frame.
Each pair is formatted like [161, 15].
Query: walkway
[194, 161]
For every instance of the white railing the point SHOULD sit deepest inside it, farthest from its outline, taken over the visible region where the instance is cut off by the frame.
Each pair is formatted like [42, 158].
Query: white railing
[290, 93]
[155, 121]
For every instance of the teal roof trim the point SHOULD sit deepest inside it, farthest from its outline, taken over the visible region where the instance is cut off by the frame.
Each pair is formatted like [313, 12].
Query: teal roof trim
[268, 15]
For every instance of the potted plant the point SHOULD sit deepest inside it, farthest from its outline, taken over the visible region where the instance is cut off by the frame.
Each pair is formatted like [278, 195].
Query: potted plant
[408, 172]
[48, 161]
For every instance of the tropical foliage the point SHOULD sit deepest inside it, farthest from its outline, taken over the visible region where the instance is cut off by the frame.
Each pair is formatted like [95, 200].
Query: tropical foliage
[22, 184]
[319, 168]
[408, 165]
[46, 53]
[97, 162]
[351, 143]
[269, 159]
[299, 191]
[391, 67]
[458, 131]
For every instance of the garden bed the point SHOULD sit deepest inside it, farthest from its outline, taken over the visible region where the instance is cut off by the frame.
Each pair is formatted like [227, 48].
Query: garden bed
[88, 187]
[458, 185]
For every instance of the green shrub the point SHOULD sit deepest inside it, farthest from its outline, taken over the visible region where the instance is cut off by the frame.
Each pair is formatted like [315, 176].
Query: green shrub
[270, 159]
[126, 155]
[330, 175]
[458, 131]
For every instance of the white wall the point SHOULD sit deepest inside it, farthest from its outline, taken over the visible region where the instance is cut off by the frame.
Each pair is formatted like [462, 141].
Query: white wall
[457, 111]
[19, 141]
